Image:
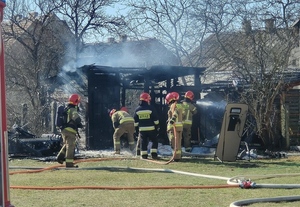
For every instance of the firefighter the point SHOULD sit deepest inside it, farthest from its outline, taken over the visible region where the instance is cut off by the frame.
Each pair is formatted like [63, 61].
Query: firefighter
[146, 126]
[123, 138]
[189, 109]
[69, 131]
[174, 124]
[124, 108]
[135, 136]
[123, 123]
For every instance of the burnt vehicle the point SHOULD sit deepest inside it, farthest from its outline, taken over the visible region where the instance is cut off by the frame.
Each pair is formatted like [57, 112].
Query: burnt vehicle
[23, 143]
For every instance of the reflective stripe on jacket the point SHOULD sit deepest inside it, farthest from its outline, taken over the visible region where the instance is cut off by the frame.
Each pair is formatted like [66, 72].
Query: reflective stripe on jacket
[73, 119]
[189, 110]
[122, 117]
[175, 115]
[145, 118]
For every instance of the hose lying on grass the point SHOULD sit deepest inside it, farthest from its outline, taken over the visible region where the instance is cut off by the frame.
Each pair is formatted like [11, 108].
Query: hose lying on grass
[237, 181]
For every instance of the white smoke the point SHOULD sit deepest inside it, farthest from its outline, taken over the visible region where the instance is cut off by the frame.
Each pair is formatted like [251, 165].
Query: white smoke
[113, 54]
[69, 67]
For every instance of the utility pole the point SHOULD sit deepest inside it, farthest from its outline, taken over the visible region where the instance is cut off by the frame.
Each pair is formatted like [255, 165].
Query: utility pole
[4, 176]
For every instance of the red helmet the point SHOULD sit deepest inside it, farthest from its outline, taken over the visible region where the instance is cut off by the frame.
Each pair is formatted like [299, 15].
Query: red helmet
[189, 95]
[123, 108]
[112, 112]
[176, 95]
[74, 99]
[145, 97]
[170, 97]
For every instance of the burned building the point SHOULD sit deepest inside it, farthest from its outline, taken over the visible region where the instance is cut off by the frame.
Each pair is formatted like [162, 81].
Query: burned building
[112, 87]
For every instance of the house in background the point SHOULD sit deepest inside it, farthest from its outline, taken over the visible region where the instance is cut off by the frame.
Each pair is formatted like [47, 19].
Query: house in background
[47, 39]
[36, 48]
[224, 57]
[127, 53]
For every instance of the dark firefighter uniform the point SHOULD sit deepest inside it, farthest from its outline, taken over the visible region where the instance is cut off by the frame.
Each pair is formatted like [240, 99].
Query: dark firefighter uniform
[189, 109]
[174, 128]
[69, 136]
[146, 125]
[123, 123]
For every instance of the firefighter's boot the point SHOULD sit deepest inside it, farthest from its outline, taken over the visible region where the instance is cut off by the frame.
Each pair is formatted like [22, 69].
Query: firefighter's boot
[60, 158]
[154, 155]
[70, 165]
[177, 155]
[144, 156]
[188, 149]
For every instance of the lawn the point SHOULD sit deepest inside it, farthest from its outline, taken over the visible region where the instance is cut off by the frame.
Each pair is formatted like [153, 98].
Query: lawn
[133, 182]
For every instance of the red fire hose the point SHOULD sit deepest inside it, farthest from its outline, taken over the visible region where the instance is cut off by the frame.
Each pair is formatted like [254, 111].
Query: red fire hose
[62, 167]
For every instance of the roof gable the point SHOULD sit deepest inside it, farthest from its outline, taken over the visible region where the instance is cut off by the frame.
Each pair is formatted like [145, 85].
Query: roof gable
[225, 54]
[143, 53]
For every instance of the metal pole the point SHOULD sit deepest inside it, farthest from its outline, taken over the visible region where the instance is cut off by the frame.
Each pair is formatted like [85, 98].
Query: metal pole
[4, 197]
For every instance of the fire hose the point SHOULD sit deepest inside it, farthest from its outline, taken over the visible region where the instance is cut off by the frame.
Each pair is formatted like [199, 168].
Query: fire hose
[247, 183]
[61, 167]
[237, 181]
[260, 200]
[173, 156]
[233, 182]
[175, 146]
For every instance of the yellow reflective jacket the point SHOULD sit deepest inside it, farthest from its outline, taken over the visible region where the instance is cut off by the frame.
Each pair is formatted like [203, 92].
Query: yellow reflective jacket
[175, 116]
[73, 120]
[189, 109]
[120, 117]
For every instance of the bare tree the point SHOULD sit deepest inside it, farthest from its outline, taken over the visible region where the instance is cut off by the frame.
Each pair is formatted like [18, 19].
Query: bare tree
[88, 19]
[258, 56]
[34, 54]
[39, 44]
[169, 21]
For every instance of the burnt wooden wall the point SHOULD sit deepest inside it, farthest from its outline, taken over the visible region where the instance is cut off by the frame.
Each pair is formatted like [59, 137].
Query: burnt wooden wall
[291, 117]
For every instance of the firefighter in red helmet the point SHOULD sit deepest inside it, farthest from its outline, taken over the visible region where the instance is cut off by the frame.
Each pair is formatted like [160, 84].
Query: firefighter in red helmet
[123, 108]
[189, 110]
[112, 112]
[123, 123]
[176, 96]
[145, 97]
[69, 131]
[146, 124]
[174, 124]
[74, 99]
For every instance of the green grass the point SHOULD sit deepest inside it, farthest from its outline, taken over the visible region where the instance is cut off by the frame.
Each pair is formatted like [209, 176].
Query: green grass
[114, 174]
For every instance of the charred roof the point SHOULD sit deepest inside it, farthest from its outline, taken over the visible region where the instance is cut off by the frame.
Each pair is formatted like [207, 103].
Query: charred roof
[154, 73]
